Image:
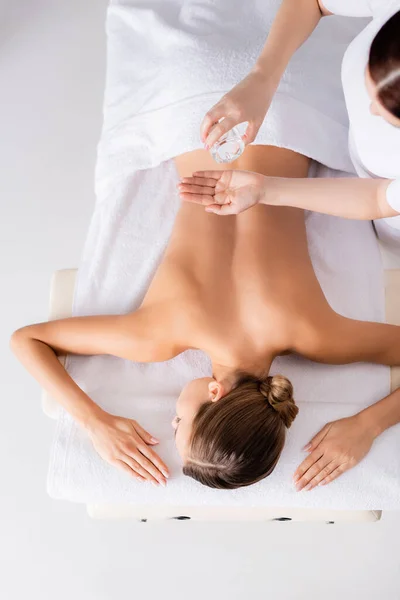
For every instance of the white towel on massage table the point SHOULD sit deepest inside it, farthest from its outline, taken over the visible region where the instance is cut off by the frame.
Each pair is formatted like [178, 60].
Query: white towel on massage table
[170, 61]
[126, 240]
[132, 221]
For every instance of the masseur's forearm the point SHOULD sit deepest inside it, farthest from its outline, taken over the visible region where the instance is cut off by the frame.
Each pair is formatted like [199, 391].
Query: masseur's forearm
[352, 198]
[293, 24]
[382, 415]
[41, 361]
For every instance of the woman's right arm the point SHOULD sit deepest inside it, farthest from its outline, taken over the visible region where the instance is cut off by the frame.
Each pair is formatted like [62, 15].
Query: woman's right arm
[293, 25]
[251, 98]
[121, 442]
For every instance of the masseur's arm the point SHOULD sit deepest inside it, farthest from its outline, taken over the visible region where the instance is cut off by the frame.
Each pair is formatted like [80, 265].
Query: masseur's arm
[251, 98]
[340, 445]
[351, 198]
[232, 192]
[119, 441]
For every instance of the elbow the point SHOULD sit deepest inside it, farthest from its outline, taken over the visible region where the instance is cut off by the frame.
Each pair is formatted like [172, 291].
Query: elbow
[18, 339]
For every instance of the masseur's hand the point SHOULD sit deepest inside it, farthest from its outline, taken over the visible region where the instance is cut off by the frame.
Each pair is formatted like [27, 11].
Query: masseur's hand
[338, 447]
[223, 192]
[247, 101]
[126, 445]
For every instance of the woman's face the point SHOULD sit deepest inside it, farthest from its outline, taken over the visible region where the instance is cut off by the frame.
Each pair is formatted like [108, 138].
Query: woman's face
[376, 107]
[193, 395]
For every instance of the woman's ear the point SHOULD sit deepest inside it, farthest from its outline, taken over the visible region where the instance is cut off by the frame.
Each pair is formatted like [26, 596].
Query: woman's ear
[215, 391]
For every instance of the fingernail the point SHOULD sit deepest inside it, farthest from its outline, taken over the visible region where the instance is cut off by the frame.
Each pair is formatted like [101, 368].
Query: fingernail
[155, 484]
[155, 440]
[306, 448]
[165, 473]
[163, 483]
[206, 146]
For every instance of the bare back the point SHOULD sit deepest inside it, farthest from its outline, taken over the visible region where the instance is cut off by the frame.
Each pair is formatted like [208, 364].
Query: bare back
[245, 284]
[241, 288]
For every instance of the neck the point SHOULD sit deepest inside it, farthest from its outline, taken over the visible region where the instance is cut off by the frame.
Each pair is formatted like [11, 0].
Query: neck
[228, 375]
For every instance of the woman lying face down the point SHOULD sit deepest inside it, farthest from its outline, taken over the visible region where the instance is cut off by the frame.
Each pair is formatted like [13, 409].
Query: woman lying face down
[231, 433]
[243, 290]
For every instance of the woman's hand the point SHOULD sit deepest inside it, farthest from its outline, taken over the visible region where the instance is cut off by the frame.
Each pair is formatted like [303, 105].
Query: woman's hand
[125, 444]
[247, 101]
[338, 447]
[223, 192]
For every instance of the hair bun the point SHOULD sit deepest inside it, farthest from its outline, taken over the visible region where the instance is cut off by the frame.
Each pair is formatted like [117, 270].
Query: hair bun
[278, 392]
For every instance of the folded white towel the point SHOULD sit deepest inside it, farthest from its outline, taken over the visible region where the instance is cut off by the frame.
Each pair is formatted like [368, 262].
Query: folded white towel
[168, 62]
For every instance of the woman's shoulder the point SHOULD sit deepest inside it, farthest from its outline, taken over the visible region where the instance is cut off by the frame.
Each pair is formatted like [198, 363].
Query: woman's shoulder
[315, 334]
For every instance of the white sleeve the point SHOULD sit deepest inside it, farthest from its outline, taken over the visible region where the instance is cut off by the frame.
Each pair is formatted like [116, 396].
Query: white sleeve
[349, 8]
[359, 8]
[393, 195]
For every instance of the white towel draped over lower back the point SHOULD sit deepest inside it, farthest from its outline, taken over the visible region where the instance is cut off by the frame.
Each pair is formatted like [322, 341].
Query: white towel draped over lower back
[169, 61]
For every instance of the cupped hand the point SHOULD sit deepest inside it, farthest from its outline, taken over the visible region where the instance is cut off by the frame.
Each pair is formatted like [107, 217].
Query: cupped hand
[248, 101]
[222, 192]
[126, 445]
[338, 447]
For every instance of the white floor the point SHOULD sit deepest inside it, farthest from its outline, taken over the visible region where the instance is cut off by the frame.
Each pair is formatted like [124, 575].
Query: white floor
[51, 79]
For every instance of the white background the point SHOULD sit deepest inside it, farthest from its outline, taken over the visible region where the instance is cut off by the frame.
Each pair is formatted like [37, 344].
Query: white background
[52, 59]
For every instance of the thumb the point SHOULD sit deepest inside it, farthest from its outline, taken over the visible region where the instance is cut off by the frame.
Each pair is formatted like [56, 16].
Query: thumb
[221, 209]
[317, 439]
[145, 435]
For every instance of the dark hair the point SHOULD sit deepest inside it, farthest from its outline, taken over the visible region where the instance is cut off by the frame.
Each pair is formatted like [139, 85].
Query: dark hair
[238, 440]
[384, 64]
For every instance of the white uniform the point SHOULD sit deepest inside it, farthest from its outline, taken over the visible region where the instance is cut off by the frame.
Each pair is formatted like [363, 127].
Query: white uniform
[374, 144]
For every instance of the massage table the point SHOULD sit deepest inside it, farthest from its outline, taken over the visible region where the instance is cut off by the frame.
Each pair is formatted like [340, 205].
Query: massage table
[61, 301]
[170, 82]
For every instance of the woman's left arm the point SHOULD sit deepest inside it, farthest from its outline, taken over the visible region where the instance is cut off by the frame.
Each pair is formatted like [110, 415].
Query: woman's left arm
[232, 192]
[350, 198]
[341, 445]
